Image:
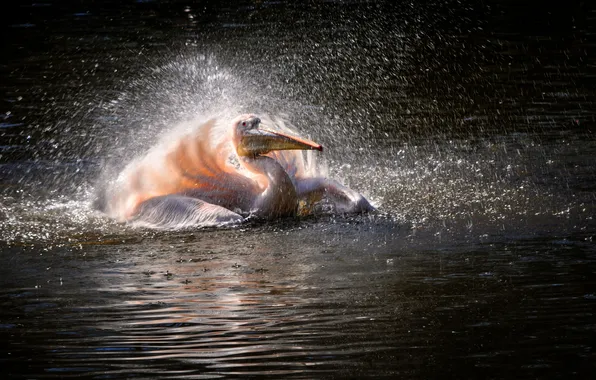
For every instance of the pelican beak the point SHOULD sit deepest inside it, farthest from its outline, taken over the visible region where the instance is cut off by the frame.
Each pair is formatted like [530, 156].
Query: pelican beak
[262, 141]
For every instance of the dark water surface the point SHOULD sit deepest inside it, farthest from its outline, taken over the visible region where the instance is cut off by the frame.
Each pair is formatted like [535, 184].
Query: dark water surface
[470, 125]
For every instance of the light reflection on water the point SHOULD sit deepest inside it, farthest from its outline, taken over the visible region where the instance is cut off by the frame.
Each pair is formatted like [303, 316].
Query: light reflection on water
[281, 306]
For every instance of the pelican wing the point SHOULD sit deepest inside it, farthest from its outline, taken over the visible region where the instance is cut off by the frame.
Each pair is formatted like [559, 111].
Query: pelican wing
[177, 211]
[203, 163]
[195, 165]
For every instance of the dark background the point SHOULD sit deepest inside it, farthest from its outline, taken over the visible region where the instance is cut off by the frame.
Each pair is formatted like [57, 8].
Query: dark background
[470, 123]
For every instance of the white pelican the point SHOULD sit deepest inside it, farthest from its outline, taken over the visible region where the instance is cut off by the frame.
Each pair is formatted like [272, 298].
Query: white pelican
[199, 180]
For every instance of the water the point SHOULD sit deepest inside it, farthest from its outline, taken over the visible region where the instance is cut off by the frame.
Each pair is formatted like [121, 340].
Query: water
[470, 127]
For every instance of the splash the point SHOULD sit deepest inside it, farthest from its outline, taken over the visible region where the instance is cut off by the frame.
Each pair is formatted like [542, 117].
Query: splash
[50, 199]
[479, 185]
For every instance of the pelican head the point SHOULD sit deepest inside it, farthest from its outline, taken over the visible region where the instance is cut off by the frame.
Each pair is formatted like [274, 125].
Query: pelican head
[252, 140]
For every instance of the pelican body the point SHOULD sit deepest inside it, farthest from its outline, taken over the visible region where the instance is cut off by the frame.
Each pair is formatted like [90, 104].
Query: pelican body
[199, 180]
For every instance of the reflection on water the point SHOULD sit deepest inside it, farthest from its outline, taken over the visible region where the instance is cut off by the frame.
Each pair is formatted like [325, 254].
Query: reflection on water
[274, 305]
[470, 130]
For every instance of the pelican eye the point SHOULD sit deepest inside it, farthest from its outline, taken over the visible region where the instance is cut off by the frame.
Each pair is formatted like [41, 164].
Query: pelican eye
[250, 123]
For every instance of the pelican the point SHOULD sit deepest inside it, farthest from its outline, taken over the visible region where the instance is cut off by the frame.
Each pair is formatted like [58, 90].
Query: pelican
[200, 180]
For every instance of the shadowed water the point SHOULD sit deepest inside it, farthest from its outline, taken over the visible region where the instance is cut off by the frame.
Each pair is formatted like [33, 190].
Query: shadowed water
[469, 126]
